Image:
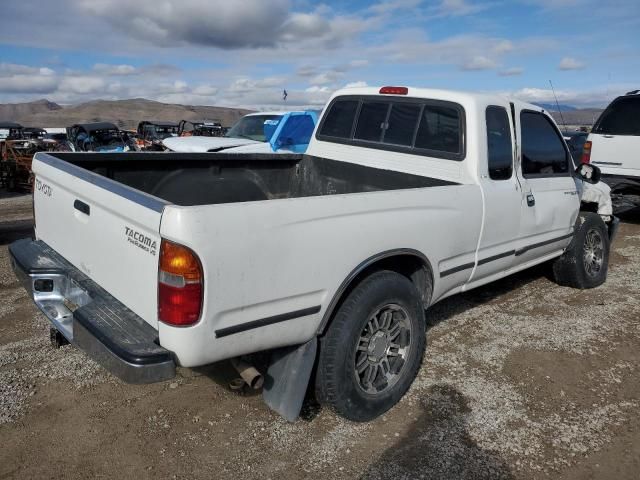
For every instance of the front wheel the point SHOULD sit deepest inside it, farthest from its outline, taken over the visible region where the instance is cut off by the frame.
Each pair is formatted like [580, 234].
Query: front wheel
[584, 264]
[373, 348]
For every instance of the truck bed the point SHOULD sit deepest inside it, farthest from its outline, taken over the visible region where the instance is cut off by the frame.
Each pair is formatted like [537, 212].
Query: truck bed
[205, 179]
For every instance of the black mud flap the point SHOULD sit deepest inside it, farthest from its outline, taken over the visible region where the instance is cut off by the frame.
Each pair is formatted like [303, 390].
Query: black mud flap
[613, 226]
[287, 378]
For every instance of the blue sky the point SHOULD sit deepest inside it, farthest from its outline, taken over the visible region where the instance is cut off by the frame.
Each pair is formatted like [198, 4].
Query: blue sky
[245, 52]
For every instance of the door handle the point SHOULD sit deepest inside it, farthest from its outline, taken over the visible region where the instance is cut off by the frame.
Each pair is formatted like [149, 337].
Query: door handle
[531, 200]
[82, 207]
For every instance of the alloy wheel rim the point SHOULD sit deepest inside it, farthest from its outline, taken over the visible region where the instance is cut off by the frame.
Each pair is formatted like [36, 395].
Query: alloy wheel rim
[593, 252]
[382, 349]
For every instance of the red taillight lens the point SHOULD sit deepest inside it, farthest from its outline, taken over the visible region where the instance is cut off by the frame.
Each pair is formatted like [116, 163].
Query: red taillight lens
[586, 153]
[180, 285]
[394, 90]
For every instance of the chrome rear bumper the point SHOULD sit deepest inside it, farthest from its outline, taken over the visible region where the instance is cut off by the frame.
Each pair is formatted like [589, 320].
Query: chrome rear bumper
[89, 317]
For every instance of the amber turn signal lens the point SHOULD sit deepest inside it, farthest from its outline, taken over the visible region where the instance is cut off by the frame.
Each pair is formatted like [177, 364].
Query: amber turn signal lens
[180, 285]
[179, 260]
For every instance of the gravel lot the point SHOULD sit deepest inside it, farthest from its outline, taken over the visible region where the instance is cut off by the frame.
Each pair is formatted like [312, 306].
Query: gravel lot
[522, 379]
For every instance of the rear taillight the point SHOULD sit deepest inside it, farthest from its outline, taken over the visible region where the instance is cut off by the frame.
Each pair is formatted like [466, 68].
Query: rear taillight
[586, 153]
[180, 285]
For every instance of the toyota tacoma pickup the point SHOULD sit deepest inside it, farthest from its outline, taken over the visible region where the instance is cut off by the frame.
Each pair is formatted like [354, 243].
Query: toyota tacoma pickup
[327, 262]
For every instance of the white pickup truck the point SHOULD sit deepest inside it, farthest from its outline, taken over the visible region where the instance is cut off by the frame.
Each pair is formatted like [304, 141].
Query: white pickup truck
[328, 260]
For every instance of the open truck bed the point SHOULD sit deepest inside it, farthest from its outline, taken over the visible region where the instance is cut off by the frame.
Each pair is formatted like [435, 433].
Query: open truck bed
[189, 179]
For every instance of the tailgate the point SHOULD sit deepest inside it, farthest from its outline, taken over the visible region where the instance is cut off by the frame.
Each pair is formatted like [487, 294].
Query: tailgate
[105, 229]
[616, 154]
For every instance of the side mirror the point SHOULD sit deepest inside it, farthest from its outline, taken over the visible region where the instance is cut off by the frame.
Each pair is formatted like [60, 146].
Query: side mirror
[588, 173]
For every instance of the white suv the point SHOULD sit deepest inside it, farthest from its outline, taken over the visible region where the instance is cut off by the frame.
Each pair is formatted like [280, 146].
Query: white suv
[614, 146]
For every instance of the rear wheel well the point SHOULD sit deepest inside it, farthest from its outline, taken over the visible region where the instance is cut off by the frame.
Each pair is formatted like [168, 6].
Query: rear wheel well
[413, 266]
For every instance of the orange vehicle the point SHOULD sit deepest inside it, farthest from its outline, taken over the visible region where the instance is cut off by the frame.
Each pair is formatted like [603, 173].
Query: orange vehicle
[17, 148]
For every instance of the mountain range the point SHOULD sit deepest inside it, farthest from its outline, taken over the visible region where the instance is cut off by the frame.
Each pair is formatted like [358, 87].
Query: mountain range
[124, 113]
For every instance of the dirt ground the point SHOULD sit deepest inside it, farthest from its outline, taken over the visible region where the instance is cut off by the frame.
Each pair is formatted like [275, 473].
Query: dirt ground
[522, 379]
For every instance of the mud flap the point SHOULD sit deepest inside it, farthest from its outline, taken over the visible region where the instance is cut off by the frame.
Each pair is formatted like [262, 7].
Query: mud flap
[285, 384]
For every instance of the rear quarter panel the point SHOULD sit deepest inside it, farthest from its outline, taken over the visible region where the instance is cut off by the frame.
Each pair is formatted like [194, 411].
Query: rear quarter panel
[268, 258]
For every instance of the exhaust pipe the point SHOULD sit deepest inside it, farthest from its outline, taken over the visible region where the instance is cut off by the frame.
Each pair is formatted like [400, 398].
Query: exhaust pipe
[248, 372]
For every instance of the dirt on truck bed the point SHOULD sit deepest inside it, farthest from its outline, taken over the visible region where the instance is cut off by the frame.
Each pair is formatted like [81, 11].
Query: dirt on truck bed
[522, 379]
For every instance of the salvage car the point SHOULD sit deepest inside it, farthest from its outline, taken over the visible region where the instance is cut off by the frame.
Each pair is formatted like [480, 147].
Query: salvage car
[265, 132]
[97, 137]
[189, 128]
[150, 134]
[329, 260]
[614, 145]
[18, 145]
[10, 130]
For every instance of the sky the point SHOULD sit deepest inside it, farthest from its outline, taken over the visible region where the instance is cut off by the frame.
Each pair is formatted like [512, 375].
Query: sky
[244, 53]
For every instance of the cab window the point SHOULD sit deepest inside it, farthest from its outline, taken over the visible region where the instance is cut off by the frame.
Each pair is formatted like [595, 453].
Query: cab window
[543, 150]
[499, 148]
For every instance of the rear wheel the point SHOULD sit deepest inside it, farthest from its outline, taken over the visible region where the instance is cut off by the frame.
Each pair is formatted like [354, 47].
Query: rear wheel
[585, 262]
[373, 348]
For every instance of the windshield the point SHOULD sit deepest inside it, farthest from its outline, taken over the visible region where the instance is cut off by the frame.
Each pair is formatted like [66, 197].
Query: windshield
[252, 127]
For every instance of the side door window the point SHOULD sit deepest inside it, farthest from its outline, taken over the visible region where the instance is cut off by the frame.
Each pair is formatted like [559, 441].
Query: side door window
[499, 146]
[543, 150]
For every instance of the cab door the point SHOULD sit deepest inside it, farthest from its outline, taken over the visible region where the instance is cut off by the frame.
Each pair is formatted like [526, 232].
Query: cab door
[550, 200]
[502, 196]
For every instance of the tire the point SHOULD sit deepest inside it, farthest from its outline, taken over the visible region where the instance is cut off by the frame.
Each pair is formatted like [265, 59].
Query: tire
[585, 262]
[380, 326]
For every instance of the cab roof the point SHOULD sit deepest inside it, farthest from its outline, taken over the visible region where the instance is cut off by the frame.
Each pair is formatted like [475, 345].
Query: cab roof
[457, 96]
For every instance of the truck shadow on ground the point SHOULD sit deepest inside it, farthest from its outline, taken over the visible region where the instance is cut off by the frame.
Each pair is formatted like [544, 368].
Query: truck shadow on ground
[459, 303]
[630, 216]
[12, 231]
[438, 445]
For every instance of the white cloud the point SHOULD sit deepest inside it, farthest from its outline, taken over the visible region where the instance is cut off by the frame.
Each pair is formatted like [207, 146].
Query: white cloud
[358, 63]
[394, 5]
[40, 84]
[457, 8]
[83, 84]
[479, 62]
[358, 84]
[569, 63]
[511, 72]
[107, 69]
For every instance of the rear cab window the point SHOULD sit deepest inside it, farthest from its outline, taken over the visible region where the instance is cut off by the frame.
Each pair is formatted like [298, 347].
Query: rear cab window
[499, 146]
[543, 150]
[416, 126]
[621, 117]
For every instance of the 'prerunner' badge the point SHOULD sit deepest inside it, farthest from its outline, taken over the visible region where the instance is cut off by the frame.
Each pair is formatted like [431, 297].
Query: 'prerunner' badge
[140, 240]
